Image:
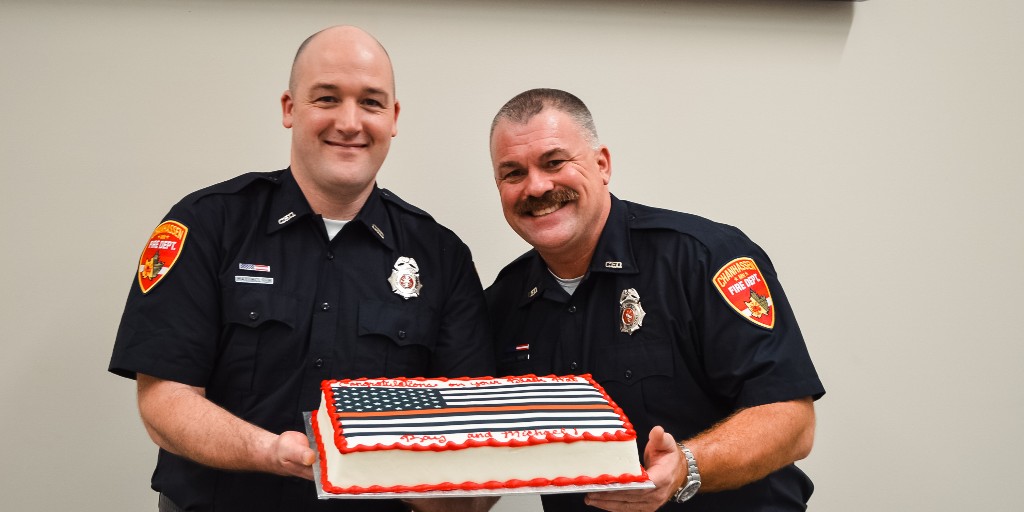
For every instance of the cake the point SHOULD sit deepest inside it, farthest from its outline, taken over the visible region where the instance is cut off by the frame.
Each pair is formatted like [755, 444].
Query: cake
[481, 434]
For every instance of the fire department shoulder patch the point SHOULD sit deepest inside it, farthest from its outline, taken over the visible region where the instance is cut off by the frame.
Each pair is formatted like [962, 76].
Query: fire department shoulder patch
[741, 284]
[160, 253]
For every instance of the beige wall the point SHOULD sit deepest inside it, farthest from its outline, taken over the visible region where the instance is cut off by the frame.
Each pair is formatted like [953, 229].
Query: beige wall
[873, 149]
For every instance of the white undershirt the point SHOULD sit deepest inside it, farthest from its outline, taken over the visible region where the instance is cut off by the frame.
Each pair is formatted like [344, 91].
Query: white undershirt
[333, 227]
[569, 285]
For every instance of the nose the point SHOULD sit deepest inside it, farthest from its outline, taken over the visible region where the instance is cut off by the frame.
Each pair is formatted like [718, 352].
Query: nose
[538, 182]
[346, 119]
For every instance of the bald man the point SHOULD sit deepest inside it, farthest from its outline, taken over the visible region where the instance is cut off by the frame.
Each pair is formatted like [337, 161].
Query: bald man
[251, 292]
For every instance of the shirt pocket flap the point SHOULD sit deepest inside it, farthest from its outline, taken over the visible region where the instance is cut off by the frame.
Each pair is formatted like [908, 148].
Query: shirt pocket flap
[629, 364]
[403, 324]
[253, 309]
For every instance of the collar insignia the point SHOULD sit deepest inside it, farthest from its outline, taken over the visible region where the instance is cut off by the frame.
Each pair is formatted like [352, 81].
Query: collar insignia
[631, 313]
[405, 278]
[286, 218]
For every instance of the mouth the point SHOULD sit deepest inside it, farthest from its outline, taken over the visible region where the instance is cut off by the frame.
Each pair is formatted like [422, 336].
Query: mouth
[346, 145]
[550, 202]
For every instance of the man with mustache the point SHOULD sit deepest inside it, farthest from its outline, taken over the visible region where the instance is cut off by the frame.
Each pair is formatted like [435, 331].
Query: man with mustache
[252, 292]
[680, 319]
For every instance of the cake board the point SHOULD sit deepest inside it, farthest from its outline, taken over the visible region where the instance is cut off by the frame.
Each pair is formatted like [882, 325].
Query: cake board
[548, 489]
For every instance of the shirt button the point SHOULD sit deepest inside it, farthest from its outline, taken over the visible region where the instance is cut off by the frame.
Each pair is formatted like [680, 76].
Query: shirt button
[326, 306]
[401, 335]
[330, 255]
[254, 315]
[572, 309]
[629, 374]
[319, 363]
[574, 366]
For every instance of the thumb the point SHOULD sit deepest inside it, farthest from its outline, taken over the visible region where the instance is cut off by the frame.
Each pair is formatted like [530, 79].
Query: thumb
[296, 448]
[659, 443]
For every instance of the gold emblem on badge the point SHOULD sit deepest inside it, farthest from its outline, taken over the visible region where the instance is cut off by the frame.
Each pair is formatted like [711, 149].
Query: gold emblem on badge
[631, 313]
[405, 278]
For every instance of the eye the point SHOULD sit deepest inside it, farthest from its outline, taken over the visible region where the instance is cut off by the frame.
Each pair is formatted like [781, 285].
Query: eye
[513, 175]
[326, 99]
[554, 164]
[370, 102]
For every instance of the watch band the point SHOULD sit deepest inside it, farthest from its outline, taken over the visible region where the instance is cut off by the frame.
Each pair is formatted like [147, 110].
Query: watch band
[692, 483]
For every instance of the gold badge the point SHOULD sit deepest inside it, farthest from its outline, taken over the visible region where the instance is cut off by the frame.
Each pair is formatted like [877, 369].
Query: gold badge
[631, 313]
[405, 278]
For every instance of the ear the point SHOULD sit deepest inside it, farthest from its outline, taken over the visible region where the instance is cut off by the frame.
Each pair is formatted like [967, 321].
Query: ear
[604, 163]
[394, 126]
[287, 104]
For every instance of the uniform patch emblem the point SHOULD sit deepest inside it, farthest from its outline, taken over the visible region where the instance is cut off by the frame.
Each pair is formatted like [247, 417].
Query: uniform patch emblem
[405, 278]
[741, 284]
[631, 313]
[161, 253]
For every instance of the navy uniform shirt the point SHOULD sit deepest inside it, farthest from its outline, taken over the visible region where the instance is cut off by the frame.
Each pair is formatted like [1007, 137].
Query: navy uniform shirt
[659, 332]
[258, 307]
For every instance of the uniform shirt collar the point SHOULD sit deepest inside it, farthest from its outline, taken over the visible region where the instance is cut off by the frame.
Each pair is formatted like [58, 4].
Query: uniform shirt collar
[289, 205]
[614, 251]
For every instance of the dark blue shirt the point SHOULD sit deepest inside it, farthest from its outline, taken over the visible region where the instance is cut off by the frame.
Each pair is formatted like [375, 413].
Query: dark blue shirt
[260, 307]
[682, 356]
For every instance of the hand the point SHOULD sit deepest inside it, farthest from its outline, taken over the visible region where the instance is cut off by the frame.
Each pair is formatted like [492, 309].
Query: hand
[292, 455]
[664, 465]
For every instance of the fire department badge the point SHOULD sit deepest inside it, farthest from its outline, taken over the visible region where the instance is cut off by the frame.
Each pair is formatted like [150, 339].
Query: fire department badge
[741, 284]
[405, 278]
[631, 313]
[160, 253]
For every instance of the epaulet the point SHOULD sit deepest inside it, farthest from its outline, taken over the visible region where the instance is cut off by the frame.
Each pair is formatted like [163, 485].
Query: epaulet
[393, 198]
[523, 259]
[704, 230]
[236, 184]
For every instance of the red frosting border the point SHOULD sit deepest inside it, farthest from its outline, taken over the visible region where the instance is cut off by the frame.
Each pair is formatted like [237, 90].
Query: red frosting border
[627, 434]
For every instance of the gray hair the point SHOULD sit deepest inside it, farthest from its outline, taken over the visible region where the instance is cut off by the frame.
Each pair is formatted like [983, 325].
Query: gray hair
[525, 105]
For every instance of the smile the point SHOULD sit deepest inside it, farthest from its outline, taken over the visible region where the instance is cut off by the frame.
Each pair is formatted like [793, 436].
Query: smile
[549, 210]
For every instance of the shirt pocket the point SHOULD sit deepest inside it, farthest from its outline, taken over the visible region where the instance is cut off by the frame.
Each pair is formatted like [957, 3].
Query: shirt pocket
[639, 375]
[398, 339]
[259, 349]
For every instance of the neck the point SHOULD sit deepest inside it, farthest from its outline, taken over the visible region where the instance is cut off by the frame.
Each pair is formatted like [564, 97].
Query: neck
[340, 203]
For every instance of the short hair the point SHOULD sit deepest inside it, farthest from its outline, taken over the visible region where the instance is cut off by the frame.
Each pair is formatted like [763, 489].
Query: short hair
[525, 105]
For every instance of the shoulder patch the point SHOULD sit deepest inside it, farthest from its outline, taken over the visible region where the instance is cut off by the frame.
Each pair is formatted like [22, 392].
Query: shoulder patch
[161, 251]
[742, 286]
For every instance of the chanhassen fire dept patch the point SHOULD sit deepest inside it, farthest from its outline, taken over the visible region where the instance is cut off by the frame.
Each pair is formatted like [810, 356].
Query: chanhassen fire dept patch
[741, 284]
[161, 252]
[631, 313]
[405, 278]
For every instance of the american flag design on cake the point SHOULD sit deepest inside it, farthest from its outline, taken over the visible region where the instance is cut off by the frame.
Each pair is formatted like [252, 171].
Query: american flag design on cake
[458, 413]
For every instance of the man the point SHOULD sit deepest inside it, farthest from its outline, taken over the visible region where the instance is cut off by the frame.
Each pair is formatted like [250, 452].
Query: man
[680, 319]
[253, 291]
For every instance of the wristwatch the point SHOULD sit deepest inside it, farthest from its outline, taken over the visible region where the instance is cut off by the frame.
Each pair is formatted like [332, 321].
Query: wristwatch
[692, 483]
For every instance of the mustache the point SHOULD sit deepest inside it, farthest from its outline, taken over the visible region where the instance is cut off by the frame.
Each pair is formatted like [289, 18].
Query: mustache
[550, 198]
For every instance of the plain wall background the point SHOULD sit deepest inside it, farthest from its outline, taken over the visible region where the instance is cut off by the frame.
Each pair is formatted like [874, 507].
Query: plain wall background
[873, 149]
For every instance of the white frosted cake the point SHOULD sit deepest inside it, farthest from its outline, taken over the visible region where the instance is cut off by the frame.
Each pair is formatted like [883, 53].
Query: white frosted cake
[487, 434]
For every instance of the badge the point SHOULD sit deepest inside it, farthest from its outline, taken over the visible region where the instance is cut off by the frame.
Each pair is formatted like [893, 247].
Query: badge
[631, 313]
[741, 284]
[405, 278]
[160, 253]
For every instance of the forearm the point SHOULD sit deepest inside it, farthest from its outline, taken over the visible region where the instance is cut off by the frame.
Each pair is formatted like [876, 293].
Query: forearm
[753, 443]
[182, 421]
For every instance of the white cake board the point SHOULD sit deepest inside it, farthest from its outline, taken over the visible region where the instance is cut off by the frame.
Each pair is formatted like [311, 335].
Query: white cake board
[548, 489]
